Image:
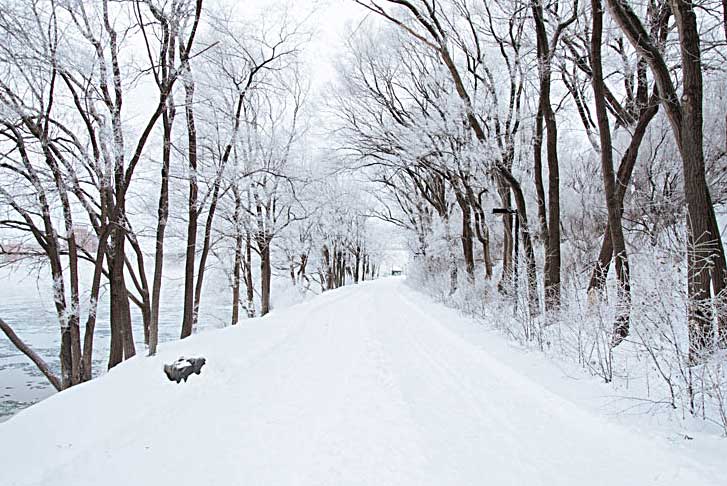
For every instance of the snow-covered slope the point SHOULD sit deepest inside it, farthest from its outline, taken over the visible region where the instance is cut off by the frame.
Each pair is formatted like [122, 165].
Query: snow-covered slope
[358, 386]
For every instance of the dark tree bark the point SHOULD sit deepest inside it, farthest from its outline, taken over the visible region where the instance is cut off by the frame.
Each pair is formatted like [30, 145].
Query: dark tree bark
[504, 190]
[265, 277]
[481, 230]
[328, 265]
[122, 340]
[538, 169]
[141, 283]
[705, 253]
[597, 282]
[545, 52]
[162, 217]
[467, 234]
[237, 266]
[249, 284]
[216, 188]
[166, 60]
[613, 204]
[192, 210]
[357, 263]
[237, 263]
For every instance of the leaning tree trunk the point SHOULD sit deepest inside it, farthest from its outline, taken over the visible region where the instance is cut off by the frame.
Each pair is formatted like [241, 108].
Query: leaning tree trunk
[87, 360]
[597, 282]
[531, 269]
[206, 243]
[34, 357]
[705, 253]
[71, 334]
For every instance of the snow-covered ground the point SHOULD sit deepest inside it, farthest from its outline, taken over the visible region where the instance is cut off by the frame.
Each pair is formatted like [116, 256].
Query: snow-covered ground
[26, 303]
[371, 384]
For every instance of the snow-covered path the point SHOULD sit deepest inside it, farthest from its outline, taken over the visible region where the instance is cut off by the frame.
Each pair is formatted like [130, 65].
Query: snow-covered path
[357, 387]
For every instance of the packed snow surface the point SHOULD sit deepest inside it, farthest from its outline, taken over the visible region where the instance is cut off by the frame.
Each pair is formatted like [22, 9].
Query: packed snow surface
[367, 385]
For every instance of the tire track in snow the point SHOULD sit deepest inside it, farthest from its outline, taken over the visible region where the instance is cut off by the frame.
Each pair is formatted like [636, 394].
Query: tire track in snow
[553, 448]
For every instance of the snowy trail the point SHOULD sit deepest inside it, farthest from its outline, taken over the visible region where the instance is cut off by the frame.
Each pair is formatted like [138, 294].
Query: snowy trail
[357, 387]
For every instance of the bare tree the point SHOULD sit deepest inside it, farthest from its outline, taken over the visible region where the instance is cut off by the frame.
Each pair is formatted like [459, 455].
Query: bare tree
[621, 327]
[707, 271]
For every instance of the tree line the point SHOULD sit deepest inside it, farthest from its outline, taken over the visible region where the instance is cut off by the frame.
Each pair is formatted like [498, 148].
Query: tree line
[458, 106]
[129, 126]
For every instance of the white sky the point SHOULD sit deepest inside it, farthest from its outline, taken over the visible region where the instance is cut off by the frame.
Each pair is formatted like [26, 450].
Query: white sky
[336, 20]
[330, 21]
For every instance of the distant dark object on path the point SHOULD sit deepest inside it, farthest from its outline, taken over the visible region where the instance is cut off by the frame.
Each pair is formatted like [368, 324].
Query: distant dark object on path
[395, 272]
[183, 367]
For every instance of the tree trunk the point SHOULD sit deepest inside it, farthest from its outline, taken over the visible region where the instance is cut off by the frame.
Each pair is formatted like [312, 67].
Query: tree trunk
[504, 172]
[141, 283]
[237, 265]
[162, 217]
[358, 265]
[483, 235]
[453, 271]
[249, 284]
[265, 276]
[34, 357]
[597, 282]
[533, 300]
[87, 361]
[552, 256]
[236, 282]
[122, 340]
[74, 332]
[481, 230]
[191, 251]
[467, 236]
[538, 169]
[613, 204]
[303, 266]
[705, 253]
[503, 190]
[206, 242]
[551, 273]
[328, 266]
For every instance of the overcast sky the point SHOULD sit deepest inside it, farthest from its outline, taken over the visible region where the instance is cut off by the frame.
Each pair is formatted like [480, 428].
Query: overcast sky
[331, 21]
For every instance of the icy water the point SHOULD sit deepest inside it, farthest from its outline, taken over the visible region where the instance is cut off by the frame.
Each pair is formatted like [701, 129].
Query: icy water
[26, 304]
